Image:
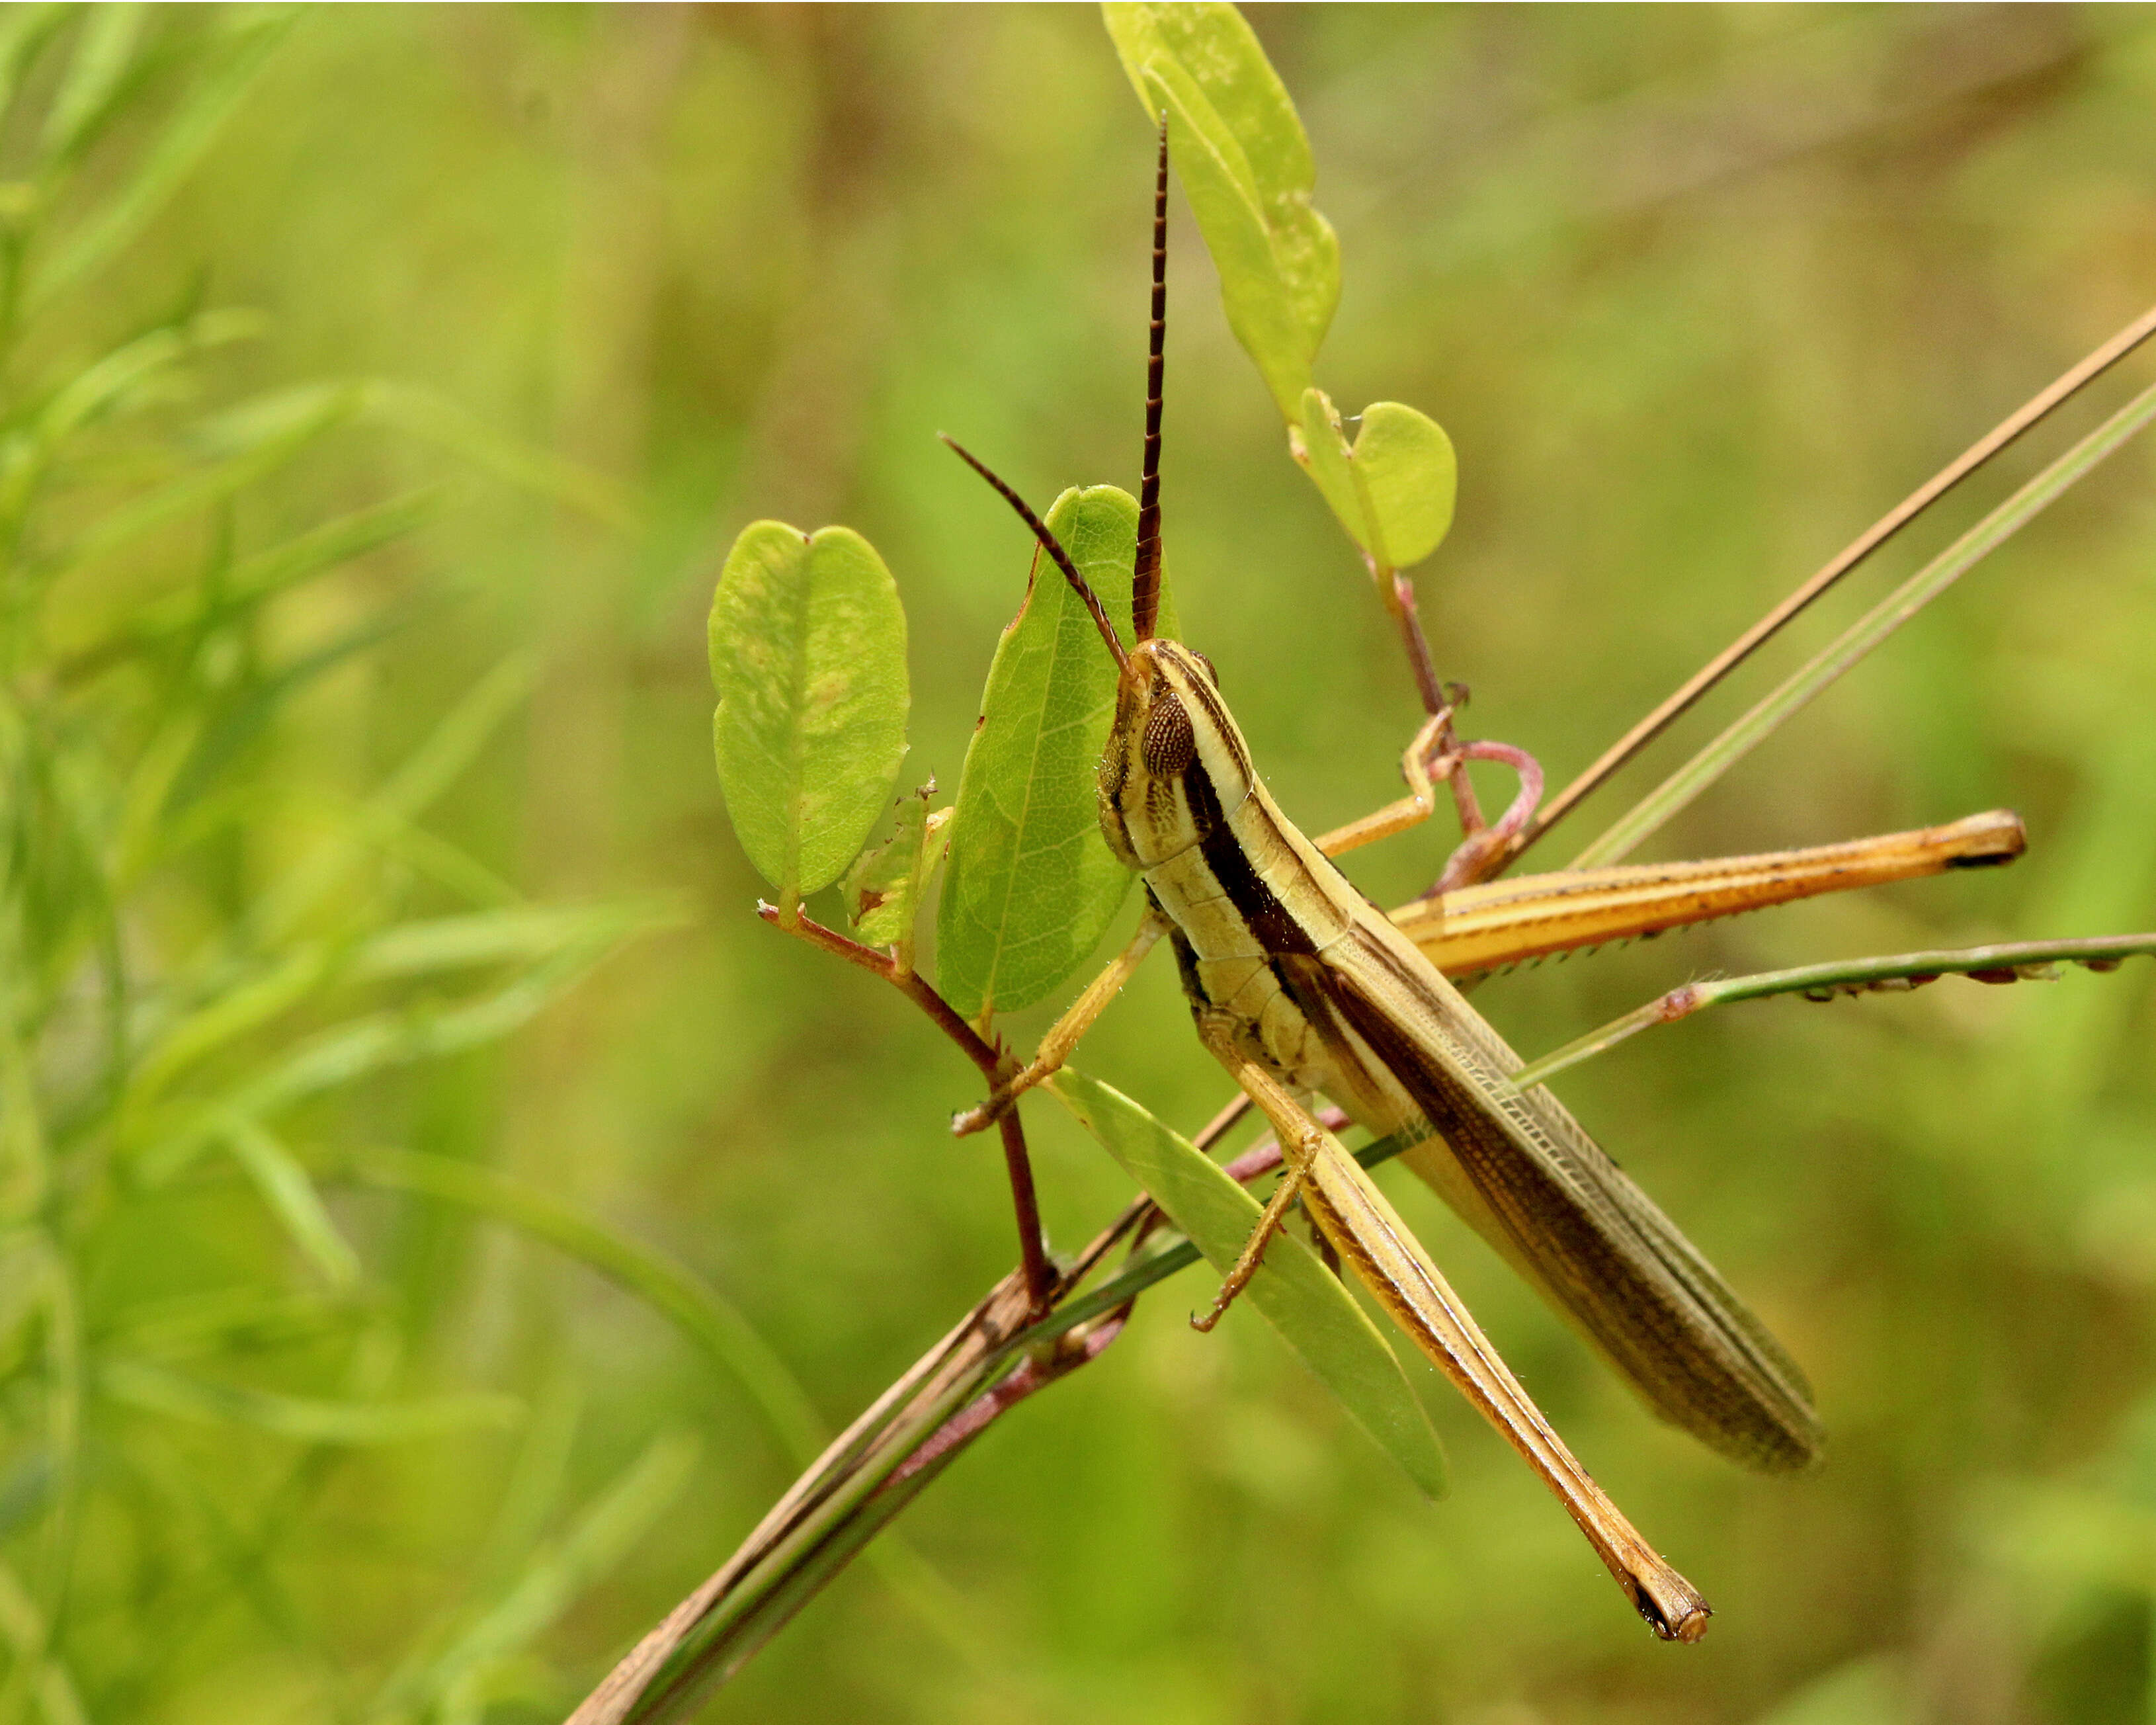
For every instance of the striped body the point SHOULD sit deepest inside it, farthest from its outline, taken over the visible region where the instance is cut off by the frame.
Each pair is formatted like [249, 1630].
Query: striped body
[1314, 983]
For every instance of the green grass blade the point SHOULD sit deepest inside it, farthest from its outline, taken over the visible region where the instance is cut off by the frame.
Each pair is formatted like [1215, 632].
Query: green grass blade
[232, 1004]
[253, 1315]
[427, 773]
[517, 934]
[245, 714]
[1031, 885]
[116, 381]
[28, 1635]
[186, 135]
[599, 1538]
[240, 451]
[1315, 1314]
[358, 1049]
[254, 580]
[238, 1004]
[25, 31]
[807, 652]
[2018, 960]
[1843, 653]
[291, 1197]
[426, 417]
[708, 1320]
[104, 52]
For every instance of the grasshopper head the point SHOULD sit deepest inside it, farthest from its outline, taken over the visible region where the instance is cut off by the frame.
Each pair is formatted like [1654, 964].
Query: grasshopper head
[1175, 767]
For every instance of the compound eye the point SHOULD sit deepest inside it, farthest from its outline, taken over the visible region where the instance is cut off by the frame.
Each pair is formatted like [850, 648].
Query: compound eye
[1168, 745]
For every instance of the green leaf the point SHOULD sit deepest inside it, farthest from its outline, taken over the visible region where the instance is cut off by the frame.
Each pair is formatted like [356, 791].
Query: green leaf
[1315, 1315]
[1245, 164]
[1392, 487]
[1033, 885]
[807, 645]
[882, 890]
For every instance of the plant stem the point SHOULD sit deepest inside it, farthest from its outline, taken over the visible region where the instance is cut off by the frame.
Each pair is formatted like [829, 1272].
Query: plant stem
[995, 1067]
[2005, 433]
[871, 1471]
[1825, 667]
[2020, 961]
[1399, 594]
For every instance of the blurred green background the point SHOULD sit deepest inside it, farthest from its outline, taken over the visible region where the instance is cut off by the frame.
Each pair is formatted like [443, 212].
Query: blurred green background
[1698, 291]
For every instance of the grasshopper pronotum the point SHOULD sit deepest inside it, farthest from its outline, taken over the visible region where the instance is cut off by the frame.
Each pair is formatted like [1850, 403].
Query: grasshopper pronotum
[1299, 985]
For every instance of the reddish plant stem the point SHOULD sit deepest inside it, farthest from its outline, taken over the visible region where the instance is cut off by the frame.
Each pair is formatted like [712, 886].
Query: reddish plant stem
[1480, 854]
[1399, 594]
[1081, 1347]
[995, 1067]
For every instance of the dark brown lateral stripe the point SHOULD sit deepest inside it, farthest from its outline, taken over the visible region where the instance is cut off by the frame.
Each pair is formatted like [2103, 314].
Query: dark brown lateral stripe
[1266, 917]
[1225, 726]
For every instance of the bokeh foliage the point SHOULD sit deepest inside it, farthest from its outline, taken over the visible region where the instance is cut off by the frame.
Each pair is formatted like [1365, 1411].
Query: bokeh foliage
[1696, 293]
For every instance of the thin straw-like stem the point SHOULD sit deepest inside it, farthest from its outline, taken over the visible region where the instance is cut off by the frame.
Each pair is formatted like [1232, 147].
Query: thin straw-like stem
[2020, 961]
[1854, 643]
[2022, 419]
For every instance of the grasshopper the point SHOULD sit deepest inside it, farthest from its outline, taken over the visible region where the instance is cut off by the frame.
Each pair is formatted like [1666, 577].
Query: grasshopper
[1299, 985]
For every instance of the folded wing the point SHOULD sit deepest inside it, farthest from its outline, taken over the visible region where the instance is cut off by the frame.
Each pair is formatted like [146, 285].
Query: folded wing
[1520, 1168]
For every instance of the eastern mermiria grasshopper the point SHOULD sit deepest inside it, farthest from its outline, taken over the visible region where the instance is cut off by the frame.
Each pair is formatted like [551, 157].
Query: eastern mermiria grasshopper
[1049, 1317]
[1301, 986]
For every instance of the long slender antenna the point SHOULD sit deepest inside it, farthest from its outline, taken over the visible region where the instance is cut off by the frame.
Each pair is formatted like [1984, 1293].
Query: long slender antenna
[1145, 577]
[1050, 542]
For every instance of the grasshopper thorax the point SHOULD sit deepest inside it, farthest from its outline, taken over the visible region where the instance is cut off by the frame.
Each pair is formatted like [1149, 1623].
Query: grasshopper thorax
[1175, 768]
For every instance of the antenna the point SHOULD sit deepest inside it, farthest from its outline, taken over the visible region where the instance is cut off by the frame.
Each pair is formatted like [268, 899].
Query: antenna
[1051, 544]
[1145, 577]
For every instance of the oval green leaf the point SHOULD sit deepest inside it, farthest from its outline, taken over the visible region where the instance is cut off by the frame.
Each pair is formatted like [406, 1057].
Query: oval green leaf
[1393, 488]
[1032, 885]
[807, 645]
[1245, 164]
[1315, 1315]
